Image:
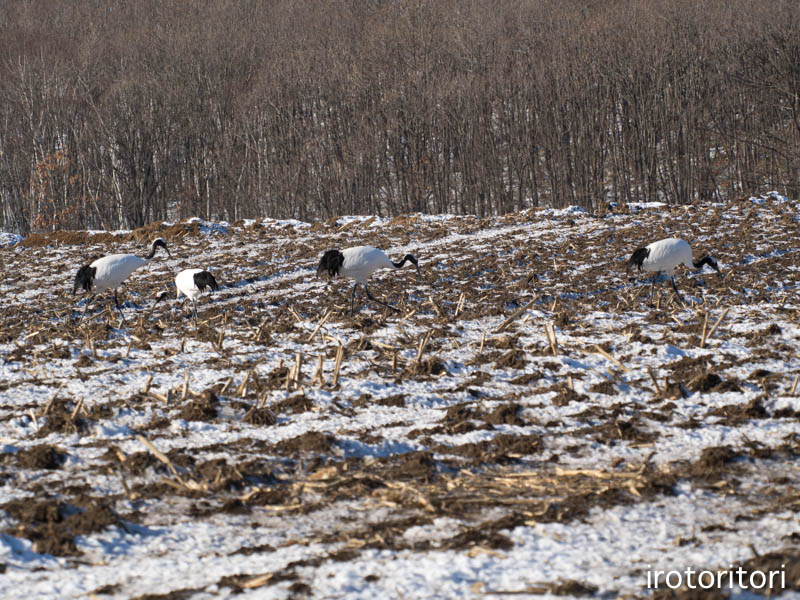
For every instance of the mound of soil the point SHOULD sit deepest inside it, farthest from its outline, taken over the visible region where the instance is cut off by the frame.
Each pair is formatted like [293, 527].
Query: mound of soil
[202, 408]
[296, 404]
[503, 448]
[705, 382]
[566, 395]
[505, 414]
[618, 429]
[513, 359]
[311, 441]
[713, 462]
[418, 466]
[735, 414]
[40, 457]
[53, 524]
[429, 366]
[262, 417]
[59, 420]
[72, 238]
[603, 387]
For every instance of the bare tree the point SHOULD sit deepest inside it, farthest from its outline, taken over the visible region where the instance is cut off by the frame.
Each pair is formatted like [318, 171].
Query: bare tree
[151, 110]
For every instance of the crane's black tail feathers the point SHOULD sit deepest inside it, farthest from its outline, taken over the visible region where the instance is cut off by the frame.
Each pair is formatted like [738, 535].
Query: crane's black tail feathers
[331, 262]
[706, 260]
[205, 279]
[84, 278]
[637, 259]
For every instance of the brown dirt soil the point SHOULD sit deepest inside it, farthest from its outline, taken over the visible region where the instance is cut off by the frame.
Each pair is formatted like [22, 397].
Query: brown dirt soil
[202, 408]
[52, 524]
[461, 432]
[312, 441]
[42, 456]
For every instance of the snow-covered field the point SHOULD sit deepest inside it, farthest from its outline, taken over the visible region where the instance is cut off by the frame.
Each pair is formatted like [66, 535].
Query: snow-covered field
[456, 452]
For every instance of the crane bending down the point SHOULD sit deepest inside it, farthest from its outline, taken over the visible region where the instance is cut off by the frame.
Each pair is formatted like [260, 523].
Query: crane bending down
[359, 263]
[663, 256]
[108, 272]
[192, 282]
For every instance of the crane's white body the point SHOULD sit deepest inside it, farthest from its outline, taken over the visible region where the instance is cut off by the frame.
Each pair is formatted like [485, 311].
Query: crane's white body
[192, 282]
[113, 269]
[663, 256]
[667, 254]
[362, 261]
[184, 282]
[108, 272]
[359, 263]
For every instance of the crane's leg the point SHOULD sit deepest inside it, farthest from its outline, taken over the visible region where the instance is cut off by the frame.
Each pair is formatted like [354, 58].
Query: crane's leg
[119, 308]
[194, 304]
[353, 300]
[675, 287]
[374, 299]
[88, 302]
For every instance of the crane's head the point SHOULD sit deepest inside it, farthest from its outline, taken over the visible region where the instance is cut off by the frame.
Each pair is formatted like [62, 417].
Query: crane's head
[159, 243]
[84, 279]
[331, 262]
[159, 296]
[707, 260]
[413, 260]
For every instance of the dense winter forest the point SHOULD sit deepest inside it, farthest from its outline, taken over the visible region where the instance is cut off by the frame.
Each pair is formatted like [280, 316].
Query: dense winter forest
[115, 113]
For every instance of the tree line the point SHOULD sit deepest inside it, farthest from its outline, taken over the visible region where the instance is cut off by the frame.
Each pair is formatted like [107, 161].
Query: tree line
[114, 114]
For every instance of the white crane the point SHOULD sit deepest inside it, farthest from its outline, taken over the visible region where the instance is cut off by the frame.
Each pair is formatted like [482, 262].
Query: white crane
[108, 272]
[663, 256]
[192, 282]
[359, 263]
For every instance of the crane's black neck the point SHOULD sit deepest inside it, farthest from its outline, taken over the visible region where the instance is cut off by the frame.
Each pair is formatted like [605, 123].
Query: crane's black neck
[159, 243]
[407, 258]
[706, 260]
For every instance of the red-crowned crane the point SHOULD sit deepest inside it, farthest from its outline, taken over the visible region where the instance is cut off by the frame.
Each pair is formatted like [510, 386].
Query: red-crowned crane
[192, 282]
[663, 256]
[108, 272]
[359, 263]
